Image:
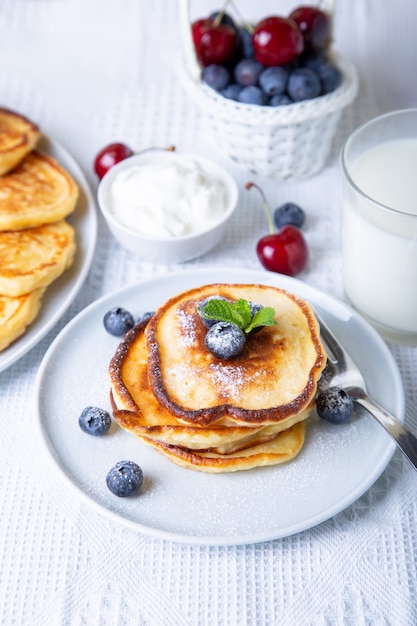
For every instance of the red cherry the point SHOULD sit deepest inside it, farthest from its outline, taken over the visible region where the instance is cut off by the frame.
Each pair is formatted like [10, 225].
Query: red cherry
[314, 24]
[277, 41]
[284, 252]
[214, 43]
[109, 156]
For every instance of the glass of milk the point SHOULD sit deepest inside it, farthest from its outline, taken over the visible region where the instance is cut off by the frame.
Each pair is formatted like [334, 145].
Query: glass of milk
[379, 166]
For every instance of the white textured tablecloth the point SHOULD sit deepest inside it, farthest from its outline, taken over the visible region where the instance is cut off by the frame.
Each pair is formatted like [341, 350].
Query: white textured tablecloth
[94, 71]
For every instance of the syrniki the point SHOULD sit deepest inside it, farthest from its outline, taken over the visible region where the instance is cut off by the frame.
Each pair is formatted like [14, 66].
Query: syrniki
[219, 415]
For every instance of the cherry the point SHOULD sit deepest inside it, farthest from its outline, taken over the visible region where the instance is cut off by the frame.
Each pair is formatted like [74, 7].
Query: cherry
[277, 41]
[114, 153]
[214, 42]
[109, 156]
[314, 24]
[285, 251]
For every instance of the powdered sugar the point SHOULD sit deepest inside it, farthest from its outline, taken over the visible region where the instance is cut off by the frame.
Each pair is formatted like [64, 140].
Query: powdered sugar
[228, 379]
[187, 326]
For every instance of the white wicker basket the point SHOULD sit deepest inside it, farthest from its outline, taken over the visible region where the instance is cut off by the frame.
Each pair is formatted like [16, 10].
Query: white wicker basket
[283, 143]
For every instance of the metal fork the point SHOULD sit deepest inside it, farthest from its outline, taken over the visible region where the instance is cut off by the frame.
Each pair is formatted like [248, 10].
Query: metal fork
[341, 371]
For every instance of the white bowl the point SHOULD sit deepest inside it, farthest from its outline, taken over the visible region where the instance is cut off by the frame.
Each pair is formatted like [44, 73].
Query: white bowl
[175, 249]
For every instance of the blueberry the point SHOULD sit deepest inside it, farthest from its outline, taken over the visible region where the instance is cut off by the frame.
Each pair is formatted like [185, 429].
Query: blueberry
[216, 76]
[118, 321]
[334, 405]
[330, 77]
[94, 421]
[303, 84]
[225, 340]
[252, 95]
[226, 19]
[145, 316]
[313, 59]
[210, 323]
[245, 42]
[254, 308]
[280, 100]
[289, 213]
[231, 91]
[273, 80]
[124, 479]
[247, 72]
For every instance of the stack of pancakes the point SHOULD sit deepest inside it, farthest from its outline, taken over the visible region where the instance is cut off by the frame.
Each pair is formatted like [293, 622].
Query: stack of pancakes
[217, 415]
[36, 243]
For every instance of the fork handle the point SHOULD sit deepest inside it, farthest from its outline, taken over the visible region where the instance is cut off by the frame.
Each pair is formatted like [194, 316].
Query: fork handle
[405, 439]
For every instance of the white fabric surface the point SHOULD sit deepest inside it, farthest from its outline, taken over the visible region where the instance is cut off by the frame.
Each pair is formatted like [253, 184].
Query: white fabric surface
[94, 71]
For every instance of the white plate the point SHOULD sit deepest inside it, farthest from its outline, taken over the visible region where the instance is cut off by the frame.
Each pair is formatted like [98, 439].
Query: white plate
[62, 292]
[336, 466]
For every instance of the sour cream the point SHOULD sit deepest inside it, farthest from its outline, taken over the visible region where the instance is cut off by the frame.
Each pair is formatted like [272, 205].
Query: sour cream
[167, 199]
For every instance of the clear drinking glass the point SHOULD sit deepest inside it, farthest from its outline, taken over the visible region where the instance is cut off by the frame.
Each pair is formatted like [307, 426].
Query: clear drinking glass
[379, 168]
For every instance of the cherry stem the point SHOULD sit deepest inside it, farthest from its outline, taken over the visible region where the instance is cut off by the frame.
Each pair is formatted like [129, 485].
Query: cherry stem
[245, 24]
[220, 14]
[249, 185]
[168, 149]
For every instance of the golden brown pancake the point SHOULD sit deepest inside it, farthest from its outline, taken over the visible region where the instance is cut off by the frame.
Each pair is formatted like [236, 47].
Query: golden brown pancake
[246, 412]
[18, 137]
[16, 314]
[38, 191]
[137, 410]
[36, 243]
[283, 448]
[211, 439]
[272, 380]
[34, 257]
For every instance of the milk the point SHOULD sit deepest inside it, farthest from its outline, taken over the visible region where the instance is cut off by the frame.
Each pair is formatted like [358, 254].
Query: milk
[379, 243]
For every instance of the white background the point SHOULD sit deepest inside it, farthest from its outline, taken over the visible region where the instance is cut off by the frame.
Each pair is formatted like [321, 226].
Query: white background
[94, 71]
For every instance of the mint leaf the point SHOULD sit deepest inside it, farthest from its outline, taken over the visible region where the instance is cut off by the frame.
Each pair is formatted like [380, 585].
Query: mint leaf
[222, 311]
[238, 313]
[242, 307]
[264, 317]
